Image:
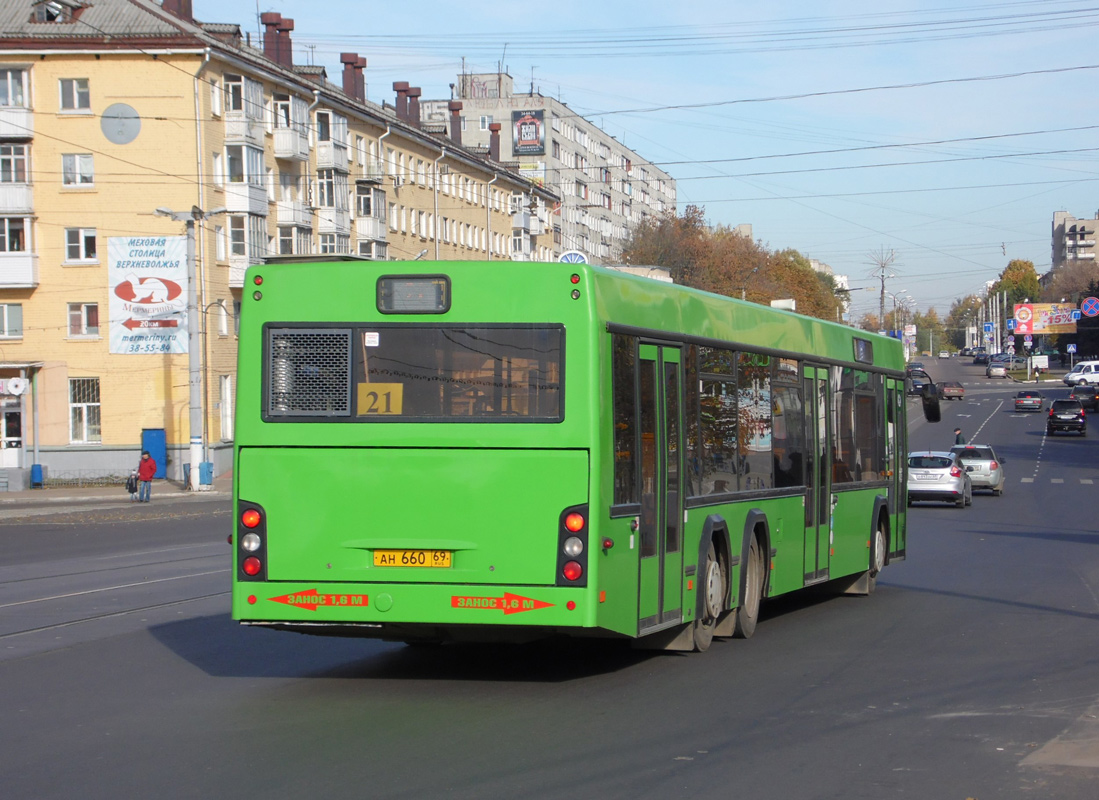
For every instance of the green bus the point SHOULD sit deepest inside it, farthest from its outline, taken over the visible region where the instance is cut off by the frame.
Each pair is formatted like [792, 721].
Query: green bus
[489, 451]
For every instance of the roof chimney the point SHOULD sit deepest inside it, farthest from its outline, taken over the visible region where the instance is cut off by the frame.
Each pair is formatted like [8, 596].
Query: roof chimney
[455, 108]
[286, 49]
[179, 8]
[401, 88]
[270, 21]
[350, 78]
[494, 141]
[360, 78]
[414, 105]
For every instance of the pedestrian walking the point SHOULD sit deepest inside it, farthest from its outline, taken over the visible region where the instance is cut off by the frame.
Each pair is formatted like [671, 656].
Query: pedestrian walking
[958, 437]
[146, 469]
[131, 485]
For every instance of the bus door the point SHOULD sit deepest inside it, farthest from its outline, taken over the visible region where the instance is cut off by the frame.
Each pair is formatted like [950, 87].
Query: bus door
[896, 462]
[661, 524]
[818, 503]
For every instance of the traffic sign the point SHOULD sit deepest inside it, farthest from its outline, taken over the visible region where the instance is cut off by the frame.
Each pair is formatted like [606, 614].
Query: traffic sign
[1071, 348]
[988, 327]
[1028, 345]
[1011, 349]
[1090, 307]
[1011, 324]
[1075, 315]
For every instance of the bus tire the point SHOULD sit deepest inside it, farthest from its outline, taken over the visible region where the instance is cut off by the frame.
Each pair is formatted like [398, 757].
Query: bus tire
[713, 586]
[748, 613]
[879, 548]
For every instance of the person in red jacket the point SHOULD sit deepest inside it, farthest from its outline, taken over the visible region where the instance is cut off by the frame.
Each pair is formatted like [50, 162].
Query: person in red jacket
[146, 469]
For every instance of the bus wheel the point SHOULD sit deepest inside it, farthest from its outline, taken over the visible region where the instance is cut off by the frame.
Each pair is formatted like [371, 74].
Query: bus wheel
[877, 555]
[748, 613]
[712, 586]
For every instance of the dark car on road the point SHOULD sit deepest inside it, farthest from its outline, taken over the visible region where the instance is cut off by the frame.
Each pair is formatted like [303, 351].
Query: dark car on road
[1066, 415]
[916, 379]
[1087, 395]
[1029, 400]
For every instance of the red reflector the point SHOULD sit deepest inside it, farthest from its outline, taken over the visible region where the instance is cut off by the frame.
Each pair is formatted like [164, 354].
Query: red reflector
[251, 566]
[571, 605]
[574, 522]
[258, 280]
[250, 518]
[573, 571]
[251, 599]
[575, 279]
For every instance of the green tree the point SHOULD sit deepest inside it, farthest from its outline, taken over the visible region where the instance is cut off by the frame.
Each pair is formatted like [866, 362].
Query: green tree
[963, 314]
[1020, 280]
[930, 332]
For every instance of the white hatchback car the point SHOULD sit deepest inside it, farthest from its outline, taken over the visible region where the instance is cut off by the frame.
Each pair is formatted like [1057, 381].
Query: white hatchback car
[938, 476]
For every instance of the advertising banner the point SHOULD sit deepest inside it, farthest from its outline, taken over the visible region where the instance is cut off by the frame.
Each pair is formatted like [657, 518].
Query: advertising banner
[533, 171]
[1045, 318]
[528, 132]
[147, 278]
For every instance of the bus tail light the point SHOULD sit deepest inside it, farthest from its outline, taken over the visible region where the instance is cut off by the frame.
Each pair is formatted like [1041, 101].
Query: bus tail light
[572, 547]
[251, 538]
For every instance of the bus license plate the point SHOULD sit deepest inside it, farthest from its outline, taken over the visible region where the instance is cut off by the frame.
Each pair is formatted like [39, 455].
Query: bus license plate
[411, 558]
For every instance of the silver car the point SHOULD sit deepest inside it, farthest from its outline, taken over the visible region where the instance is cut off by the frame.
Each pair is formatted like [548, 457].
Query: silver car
[985, 469]
[938, 476]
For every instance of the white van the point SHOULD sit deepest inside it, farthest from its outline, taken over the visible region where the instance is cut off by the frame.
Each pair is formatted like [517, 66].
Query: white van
[1084, 373]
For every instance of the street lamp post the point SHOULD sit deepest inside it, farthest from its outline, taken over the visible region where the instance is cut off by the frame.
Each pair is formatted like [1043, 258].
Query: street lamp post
[194, 344]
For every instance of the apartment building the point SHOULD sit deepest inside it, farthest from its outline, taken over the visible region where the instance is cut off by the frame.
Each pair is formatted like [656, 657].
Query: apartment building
[605, 187]
[1073, 240]
[122, 120]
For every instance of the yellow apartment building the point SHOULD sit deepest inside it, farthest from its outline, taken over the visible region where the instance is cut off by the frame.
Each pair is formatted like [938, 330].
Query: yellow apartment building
[122, 119]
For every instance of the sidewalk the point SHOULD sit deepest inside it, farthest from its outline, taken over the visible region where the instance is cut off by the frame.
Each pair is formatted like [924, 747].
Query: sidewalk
[34, 502]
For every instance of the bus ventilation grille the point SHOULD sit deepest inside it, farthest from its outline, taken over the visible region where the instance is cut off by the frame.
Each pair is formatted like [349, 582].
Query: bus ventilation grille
[309, 372]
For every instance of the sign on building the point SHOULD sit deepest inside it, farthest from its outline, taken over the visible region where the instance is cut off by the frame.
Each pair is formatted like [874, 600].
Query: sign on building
[528, 132]
[147, 278]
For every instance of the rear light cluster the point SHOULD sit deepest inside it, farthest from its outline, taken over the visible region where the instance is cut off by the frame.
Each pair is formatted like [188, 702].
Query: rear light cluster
[251, 542]
[994, 465]
[572, 551]
[955, 472]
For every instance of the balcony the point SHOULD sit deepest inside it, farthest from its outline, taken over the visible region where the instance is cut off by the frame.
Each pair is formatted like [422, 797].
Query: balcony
[1080, 243]
[332, 155]
[291, 212]
[334, 220]
[246, 198]
[16, 198]
[16, 122]
[18, 270]
[521, 221]
[291, 144]
[370, 228]
[1079, 256]
[238, 265]
[240, 129]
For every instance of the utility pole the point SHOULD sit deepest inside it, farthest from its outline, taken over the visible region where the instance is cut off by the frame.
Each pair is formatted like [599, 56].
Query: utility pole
[195, 356]
[882, 261]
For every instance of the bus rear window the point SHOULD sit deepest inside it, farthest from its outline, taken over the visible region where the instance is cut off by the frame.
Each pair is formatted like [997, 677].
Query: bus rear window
[434, 373]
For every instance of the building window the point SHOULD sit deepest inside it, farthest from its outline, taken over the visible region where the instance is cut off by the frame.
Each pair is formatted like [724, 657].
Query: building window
[13, 163]
[219, 242]
[225, 404]
[77, 169]
[369, 202]
[324, 126]
[236, 317]
[486, 120]
[326, 188]
[75, 95]
[80, 244]
[245, 164]
[215, 98]
[223, 318]
[84, 411]
[13, 235]
[234, 92]
[83, 319]
[334, 243]
[11, 320]
[13, 88]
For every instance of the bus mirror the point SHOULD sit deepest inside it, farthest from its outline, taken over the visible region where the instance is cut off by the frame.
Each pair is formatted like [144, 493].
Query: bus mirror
[929, 396]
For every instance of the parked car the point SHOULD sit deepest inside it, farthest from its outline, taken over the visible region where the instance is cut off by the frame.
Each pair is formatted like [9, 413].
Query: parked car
[1066, 415]
[985, 469]
[1029, 400]
[951, 390]
[944, 354]
[996, 369]
[1087, 395]
[1084, 372]
[938, 476]
[980, 358]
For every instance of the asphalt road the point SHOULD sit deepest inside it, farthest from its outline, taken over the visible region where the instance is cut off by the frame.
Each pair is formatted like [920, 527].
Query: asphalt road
[970, 673]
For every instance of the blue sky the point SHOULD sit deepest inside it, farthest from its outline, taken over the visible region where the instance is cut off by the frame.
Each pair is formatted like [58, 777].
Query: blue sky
[748, 148]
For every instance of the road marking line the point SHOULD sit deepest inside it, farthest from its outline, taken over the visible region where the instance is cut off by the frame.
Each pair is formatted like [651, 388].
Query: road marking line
[1028, 480]
[1087, 481]
[1056, 480]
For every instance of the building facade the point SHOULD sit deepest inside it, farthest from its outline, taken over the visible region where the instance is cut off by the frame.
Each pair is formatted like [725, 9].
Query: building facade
[119, 119]
[605, 187]
[1073, 240]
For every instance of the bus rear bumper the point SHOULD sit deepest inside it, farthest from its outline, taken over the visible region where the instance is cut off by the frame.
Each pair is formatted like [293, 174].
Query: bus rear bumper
[429, 612]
